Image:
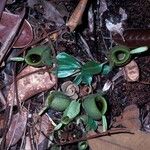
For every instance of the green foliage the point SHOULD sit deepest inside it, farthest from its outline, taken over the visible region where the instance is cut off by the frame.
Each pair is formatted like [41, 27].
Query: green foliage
[67, 65]
[89, 123]
[104, 123]
[71, 112]
[139, 50]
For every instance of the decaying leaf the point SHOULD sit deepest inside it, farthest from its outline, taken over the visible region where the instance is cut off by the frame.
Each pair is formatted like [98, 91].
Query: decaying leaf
[2, 123]
[103, 7]
[131, 72]
[70, 89]
[7, 22]
[77, 15]
[43, 129]
[137, 141]
[17, 127]
[30, 85]
[28, 143]
[48, 11]
[129, 118]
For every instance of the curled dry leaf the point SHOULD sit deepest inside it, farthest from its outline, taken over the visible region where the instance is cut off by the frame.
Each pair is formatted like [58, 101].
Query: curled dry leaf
[129, 118]
[131, 72]
[30, 85]
[17, 127]
[77, 15]
[85, 90]
[70, 89]
[43, 129]
[7, 22]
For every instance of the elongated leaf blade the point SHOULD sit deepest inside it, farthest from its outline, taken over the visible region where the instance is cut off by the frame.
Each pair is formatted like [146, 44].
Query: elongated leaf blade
[65, 73]
[66, 60]
[104, 123]
[91, 68]
[17, 59]
[87, 79]
[139, 50]
[73, 109]
[78, 79]
[106, 69]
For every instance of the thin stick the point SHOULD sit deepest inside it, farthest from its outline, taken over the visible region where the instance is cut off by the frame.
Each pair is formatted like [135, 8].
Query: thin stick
[110, 132]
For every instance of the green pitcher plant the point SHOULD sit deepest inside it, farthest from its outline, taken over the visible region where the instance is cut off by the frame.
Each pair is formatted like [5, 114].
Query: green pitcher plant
[95, 106]
[57, 101]
[121, 55]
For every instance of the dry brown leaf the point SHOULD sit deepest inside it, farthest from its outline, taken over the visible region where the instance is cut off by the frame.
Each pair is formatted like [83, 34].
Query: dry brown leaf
[131, 72]
[17, 127]
[44, 128]
[76, 16]
[137, 141]
[31, 84]
[2, 122]
[129, 118]
[28, 143]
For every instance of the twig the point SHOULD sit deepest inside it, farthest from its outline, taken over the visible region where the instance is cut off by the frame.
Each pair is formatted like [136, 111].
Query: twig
[109, 132]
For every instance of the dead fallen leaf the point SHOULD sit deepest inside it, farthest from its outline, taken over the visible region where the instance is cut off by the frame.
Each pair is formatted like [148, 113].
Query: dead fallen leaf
[44, 127]
[7, 22]
[31, 85]
[76, 16]
[129, 118]
[131, 72]
[28, 143]
[137, 141]
[2, 121]
[17, 127]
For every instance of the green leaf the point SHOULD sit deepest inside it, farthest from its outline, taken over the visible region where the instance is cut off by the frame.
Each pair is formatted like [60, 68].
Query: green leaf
[78, 79]
[67, 65]
[91, 68]
[91, 124]
[71, 112]
[58, 126]
[73, 109]
[139, 50]
[87, 79]
[106, 69]
[65, 73]
[104, 123]
[66, 61]
[17, 59]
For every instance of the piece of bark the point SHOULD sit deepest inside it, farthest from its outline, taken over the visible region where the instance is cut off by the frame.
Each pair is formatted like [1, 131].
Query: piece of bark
[30, 85]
